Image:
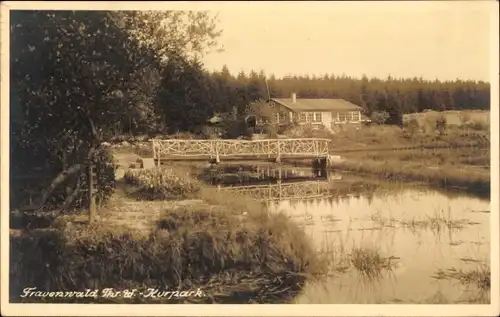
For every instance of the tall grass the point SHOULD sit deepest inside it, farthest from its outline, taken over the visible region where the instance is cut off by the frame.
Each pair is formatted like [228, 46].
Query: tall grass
[370, 263]
[479, 277]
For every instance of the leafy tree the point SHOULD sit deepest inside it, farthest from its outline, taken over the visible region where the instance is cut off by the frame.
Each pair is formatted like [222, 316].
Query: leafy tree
[86, 75]
[261, 110]
[379, 117]
[184, 100]
[189, 33]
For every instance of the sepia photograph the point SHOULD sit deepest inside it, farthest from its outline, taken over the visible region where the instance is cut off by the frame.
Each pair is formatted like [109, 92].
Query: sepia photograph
[323, 158]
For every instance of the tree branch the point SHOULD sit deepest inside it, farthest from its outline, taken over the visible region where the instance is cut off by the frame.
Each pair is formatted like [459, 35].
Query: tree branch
[69, 200]
[59, 179]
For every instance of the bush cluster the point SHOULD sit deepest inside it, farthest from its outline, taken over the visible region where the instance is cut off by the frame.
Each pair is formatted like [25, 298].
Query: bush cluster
[162, 183]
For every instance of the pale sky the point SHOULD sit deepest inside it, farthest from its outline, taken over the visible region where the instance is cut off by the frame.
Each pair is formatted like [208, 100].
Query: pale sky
[444, 40]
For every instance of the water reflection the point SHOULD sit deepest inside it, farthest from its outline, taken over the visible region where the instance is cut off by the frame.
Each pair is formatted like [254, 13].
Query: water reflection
[232, 174]
[424, 231]
[384, 243]
[272, 182]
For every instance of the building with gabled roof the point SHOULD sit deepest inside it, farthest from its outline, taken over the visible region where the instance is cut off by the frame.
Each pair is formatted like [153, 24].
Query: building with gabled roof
[317, 112]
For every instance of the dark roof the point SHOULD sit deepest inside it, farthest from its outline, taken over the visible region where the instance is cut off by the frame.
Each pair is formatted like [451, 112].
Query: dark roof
[317, 104]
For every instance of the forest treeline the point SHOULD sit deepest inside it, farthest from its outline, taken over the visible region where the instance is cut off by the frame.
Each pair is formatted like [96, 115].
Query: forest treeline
[81, 77]
[394, 96]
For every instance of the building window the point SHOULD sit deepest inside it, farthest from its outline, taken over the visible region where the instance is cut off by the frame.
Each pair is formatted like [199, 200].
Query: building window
[310, 116]
[283, 118]
[317, 117]
[302, 117]
[354, 116]
[342, 117]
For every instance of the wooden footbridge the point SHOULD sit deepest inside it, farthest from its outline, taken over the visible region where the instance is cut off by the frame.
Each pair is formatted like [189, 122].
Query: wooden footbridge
[218, 150]
[283, 191]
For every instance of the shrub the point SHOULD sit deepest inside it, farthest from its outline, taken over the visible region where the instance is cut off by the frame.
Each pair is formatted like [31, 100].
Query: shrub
[412, 126]
[270, 130]
[441, 124]
[236, 129]
[162, 183]
[307, 131]
[379, 117]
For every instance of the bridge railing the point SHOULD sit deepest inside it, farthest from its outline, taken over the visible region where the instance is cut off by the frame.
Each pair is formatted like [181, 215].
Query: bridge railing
[234, 148]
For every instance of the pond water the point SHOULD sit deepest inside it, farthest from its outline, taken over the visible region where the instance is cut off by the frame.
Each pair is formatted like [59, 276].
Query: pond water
[388, 246]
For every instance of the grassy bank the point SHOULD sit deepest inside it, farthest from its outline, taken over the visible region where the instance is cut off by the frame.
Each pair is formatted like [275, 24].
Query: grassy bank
[447, 177]
[229, 246]
[420, 130]
[453, 154]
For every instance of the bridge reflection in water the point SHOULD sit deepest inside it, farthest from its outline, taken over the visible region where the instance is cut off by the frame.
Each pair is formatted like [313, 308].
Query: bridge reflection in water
[273, 183]
[283, 191]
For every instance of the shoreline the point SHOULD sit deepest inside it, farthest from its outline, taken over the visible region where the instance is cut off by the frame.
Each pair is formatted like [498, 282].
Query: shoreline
[476, 184]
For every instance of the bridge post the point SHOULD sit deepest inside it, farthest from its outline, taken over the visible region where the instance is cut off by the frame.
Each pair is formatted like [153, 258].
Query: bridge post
[279, 189]
[217, 158]
[278, 158]
[156, 154]
[153, 148]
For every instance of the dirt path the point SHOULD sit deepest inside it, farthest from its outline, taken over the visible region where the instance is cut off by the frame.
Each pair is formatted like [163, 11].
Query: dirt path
[141, 215]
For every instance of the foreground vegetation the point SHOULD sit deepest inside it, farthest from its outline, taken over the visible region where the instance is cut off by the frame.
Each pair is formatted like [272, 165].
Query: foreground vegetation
[229, 246]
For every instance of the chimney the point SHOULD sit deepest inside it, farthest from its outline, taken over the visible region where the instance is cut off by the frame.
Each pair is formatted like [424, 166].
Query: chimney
[294, 97]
